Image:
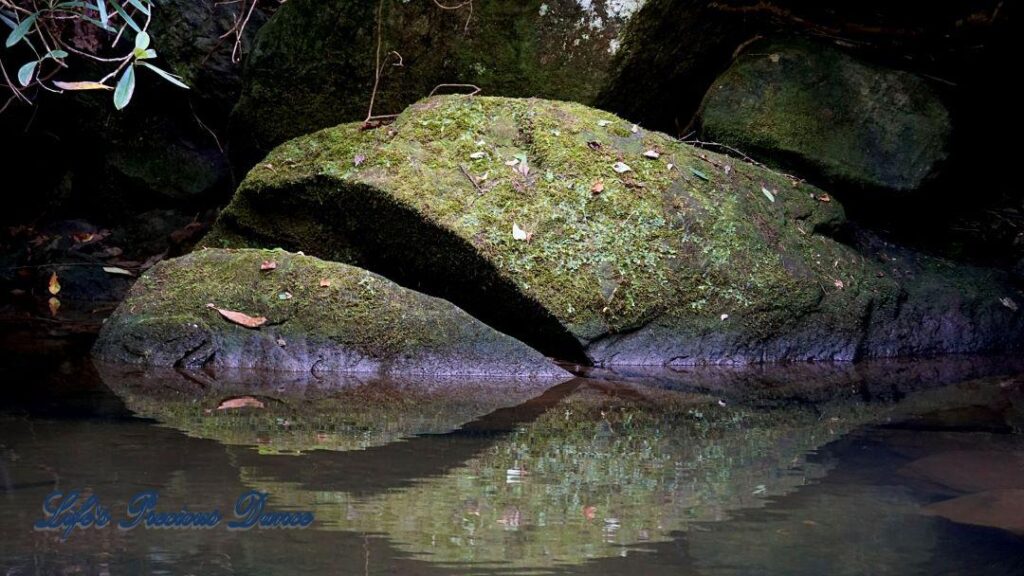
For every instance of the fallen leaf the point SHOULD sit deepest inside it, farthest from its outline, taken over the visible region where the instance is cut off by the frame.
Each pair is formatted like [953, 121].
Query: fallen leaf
[597, 187]
[699, 174]
[652, 154]
[839, 284]
[480, 143]
[359, 159]
[670, 166]
[603, 123]
[523, 168]
[621, 167]
[824, 198]
[768, 194]
[284, 296]
[477, 155]
[240, 318]
[54, 285]
[281, 342]
[268, 265]
[1009, 303]
[634, 129]
[240, 402]
[325, 283]
[116, 270]
[54, 305]
[512, 162]
[724, 317]
[518, 233]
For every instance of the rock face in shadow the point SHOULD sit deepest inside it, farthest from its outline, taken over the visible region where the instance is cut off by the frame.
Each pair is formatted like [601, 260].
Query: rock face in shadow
[316, 317]
[313, 64]
[809, 105]
[584, 236]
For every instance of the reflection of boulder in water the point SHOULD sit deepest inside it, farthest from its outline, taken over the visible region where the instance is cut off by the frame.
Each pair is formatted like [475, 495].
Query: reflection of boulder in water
[301, 412]
[765, 385]
[611, 465]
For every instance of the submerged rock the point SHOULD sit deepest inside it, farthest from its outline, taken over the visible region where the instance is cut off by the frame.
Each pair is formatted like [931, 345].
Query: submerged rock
[313, 64]
[1003, 509]
[588, 237]
[309, 316]
[810, 105]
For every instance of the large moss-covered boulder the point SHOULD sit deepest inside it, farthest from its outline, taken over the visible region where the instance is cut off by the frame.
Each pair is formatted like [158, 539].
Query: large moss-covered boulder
[811, 106]
[313, 64]
[300, 314]
[588, 237]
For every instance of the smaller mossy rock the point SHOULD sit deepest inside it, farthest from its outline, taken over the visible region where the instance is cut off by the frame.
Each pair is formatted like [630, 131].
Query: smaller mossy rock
[320, 317]
[585, 236]
[846, 122]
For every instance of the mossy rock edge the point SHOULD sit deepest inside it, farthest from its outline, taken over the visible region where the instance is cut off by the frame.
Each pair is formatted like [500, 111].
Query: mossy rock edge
[320, 316]
[688, 257]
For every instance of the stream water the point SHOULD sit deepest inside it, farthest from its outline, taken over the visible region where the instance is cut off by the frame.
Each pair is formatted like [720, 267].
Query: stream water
[893, 468]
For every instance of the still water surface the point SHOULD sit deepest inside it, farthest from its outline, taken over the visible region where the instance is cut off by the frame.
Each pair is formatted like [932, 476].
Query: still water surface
[897, 468]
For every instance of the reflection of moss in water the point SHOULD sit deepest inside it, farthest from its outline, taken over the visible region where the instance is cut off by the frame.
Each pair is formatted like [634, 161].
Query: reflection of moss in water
[599, 472]
[353, 415]
[589, 474]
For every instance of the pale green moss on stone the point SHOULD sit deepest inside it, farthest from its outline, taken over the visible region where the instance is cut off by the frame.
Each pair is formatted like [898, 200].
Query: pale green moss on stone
[810, 105]
[682, 259]
[320, 316]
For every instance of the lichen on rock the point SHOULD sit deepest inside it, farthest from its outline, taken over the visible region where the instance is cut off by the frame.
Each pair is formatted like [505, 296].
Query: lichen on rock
[809, 105]
[317, 317]
[632, 248]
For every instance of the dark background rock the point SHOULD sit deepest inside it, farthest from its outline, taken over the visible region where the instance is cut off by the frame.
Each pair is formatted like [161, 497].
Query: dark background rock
[674, 49]
[312, 66]
[818, 112]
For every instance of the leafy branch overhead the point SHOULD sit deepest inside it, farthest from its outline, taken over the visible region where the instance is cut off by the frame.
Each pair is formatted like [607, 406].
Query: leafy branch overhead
[49, 34]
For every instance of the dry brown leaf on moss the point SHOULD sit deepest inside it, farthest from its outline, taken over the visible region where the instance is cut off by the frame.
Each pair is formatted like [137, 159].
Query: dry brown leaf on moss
[240, 318]
[240, 402]
[268, 265]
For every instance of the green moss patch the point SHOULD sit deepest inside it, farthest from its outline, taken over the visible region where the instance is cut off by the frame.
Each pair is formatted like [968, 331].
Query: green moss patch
[812, 106]
[318, 316]
[685, 257]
